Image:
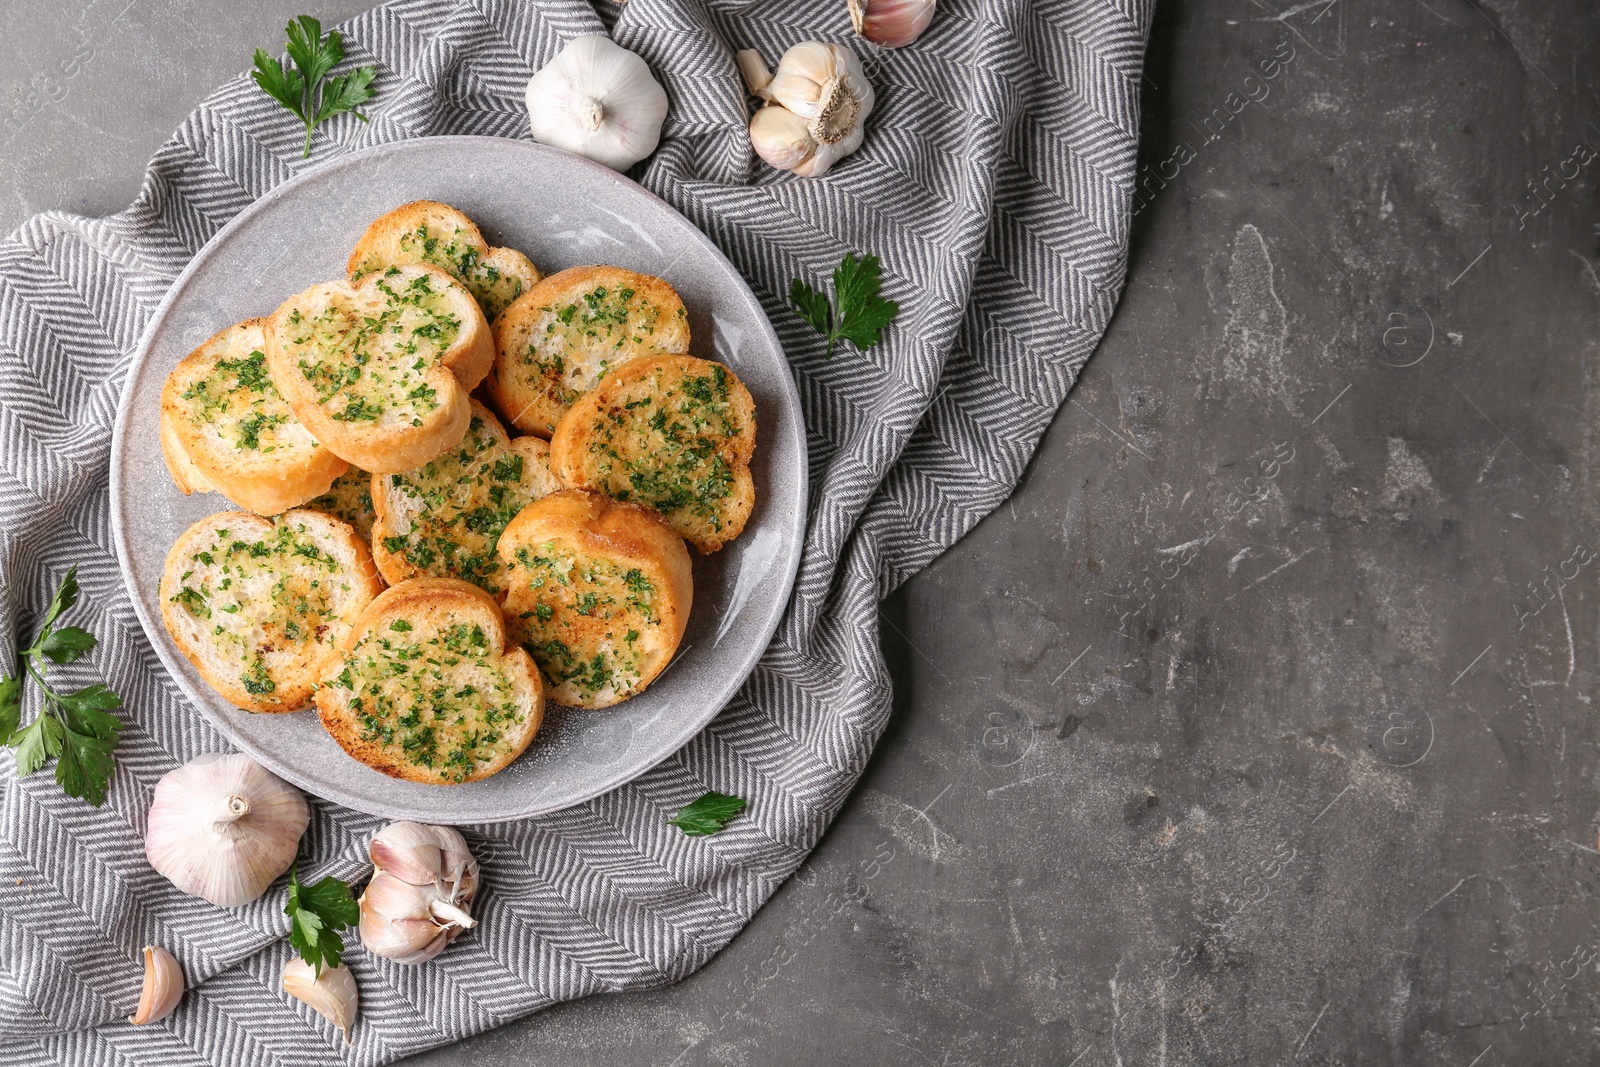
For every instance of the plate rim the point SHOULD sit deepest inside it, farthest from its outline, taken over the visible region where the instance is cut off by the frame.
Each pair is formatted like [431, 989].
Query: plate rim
[794, 538]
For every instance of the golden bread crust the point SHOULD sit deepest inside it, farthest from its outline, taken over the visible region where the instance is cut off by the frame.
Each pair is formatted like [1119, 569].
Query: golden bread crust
[380, 370]
[426, 232]
[599, 593]
[672, 432]
[226, 428]
[563, 335]
[427, 690]
[444, 518]
[259, 605]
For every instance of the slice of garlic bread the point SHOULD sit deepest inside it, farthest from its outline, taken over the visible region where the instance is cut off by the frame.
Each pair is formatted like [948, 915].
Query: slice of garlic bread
[349, 499]
[564, 334]
[259, 606]
[673, 432]
[444, 518]
[225, 428]
[427, 689]
[429, 233]
[185, 475]
[379, 371]
[599, 593]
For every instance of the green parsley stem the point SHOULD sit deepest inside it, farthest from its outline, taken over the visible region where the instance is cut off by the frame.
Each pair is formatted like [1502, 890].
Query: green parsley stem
[33, 669]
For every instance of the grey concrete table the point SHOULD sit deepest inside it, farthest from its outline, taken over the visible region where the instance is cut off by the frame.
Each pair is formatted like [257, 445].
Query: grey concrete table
[1257, 727]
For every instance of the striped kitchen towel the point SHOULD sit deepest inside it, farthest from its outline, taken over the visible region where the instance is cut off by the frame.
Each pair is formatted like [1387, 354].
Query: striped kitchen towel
[996, 185]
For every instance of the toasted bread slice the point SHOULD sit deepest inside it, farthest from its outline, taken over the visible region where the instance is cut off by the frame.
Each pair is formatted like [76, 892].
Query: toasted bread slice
[427, 689]
[673, 432]
[444, 518]
[259, 605]
[379, 371]
[437, 235]
[599, 593]
[564, 334]
[185, 475]
[349, 499]
[225, 428]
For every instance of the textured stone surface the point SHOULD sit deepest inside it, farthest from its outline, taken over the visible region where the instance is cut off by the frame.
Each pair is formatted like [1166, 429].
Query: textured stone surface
[1256, 728]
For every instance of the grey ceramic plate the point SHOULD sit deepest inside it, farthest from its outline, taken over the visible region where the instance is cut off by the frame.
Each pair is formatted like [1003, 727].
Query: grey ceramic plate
[562, 211]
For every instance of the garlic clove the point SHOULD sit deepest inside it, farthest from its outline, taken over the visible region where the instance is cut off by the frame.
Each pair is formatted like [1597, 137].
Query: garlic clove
[222, 827]
[781, 137]
[423, 882]
[407, 941]
[418, 863]
[332, 995]
[396, 899]
[423, 854]
[891, 23]
[599, 100]
[163, 986]
[803, 72]
[757, 76]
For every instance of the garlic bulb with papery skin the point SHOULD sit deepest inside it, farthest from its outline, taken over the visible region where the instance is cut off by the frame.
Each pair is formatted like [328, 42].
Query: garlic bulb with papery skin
[163, 986]
[891, 23]
[332, 994]
[423, 881]
[817, 103]
[599, 100]
[222, 827]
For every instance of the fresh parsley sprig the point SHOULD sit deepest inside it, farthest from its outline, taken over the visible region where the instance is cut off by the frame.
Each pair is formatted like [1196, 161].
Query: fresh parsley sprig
[75, 729]
[858, 314]
[707, 815]
[316, 915]
[297, 88]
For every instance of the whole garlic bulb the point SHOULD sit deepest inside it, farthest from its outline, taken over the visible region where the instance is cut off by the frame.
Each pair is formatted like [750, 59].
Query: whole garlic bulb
[817, 103]
[599, 100]
[423, 881]
[331, 994]
[891, 23]
[222, 827]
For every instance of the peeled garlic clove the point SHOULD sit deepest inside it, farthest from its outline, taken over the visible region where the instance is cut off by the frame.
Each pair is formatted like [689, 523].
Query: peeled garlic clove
[423, 882]
[599, 100]
[163, 986]
[891, 23]
[332, 995]
[222, 827]
[824, 86]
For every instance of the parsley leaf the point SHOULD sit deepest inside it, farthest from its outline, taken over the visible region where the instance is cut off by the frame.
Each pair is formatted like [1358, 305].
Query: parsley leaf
[85, 764]
[708, 814]
[66, 596]
[314, 54]
[316, 915]
[75, 729]
[37, 743]
[10, 706]
[300, 88]
[67, 644]
[347, 92]
[858, 314]
[286, 87]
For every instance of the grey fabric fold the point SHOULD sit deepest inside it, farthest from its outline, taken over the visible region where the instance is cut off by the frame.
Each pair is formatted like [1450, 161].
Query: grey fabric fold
[995, 184]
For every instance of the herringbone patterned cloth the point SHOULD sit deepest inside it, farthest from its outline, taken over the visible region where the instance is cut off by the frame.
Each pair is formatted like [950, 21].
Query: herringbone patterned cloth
[995, 184]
